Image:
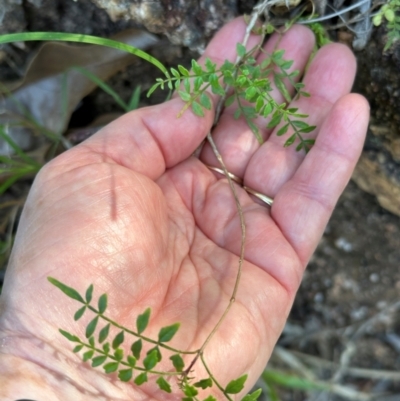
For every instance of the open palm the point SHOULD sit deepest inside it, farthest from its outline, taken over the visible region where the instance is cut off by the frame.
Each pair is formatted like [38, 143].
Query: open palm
[131, 211]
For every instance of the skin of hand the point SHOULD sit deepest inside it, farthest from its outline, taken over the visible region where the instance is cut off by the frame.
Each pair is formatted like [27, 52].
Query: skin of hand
[131, 211]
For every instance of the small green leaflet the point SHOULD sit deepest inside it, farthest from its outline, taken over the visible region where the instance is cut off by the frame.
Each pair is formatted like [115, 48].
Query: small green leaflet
[89, 293]
[68, 291]
[178, 363]
[98, 360]
[210, 398]
[77, 348]
[103, 334]
[131, 361]
[151, 360]
[158, 353]
[87, 355]
[290, 141]
[118, 340]
[79, 313]
[163, 384]
[125, 374]
[189, 390]
[167, 333]
[102, 303]
[204, 383]
[240, 50]
[236, 386]
[69, 336]
[91, 327]
[111, 367]
[106, 348]
[205, 101]
[143, 320]
[186, 97]
[142, 378]
[197, 109]
[183, 70]
[283, 130]
[119, 354]
[136, 348]
[252, 396]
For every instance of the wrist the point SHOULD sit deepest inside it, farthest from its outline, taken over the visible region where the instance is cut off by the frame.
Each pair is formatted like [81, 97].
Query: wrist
[31, 369]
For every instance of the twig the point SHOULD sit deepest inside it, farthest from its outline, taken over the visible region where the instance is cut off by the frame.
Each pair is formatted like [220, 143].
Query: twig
[258, 10]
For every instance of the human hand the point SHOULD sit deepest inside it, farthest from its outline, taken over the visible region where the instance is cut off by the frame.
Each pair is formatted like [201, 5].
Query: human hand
[132, 212]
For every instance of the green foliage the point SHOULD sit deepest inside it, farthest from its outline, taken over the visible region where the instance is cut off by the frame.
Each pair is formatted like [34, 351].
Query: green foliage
[389, 13]
[252, 87]
[236, 386]
[132, 366]
[321, 35]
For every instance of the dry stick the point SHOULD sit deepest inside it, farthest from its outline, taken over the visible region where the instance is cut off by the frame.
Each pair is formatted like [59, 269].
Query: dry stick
[257, 11]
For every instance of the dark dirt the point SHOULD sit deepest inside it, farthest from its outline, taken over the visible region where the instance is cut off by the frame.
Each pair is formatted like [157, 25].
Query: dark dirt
[352, 281]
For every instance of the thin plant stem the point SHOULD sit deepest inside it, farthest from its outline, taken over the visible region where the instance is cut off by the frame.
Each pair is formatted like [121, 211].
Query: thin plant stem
[212, 376]
[258, 10]
[133, 333]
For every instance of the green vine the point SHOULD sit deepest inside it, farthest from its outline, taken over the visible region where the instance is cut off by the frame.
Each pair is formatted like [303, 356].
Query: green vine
[251, 85]
[102, 349]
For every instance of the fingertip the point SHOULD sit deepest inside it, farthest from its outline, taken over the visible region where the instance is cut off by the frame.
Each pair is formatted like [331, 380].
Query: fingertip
[345, 128]
[223, 45]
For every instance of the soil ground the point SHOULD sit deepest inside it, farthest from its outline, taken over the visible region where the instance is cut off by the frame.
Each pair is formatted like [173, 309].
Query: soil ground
[347, 310]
